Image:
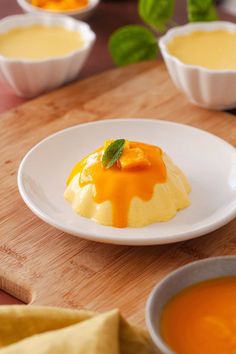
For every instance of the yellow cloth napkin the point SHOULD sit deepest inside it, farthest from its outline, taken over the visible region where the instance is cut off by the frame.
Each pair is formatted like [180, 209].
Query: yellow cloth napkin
[48, 330]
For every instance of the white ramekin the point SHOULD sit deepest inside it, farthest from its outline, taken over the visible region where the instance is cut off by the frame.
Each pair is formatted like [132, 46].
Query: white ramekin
[80, 14]
[29, 78]
[214, 89]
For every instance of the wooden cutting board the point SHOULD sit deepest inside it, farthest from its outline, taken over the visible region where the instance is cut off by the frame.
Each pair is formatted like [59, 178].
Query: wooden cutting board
[41, 265]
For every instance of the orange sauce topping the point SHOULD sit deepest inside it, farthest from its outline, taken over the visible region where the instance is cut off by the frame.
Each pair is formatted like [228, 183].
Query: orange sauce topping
[60, 5]
[138, 170]
[202, 318]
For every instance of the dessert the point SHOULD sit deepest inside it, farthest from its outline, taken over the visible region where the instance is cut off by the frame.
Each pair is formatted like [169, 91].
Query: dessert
[127, 184]
[210, 49]
[38, 42]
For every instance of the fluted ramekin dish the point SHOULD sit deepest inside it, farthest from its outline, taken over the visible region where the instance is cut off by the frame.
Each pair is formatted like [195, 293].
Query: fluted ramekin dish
[208, 88]
[29, 78]
[80, 14]
[175, 282]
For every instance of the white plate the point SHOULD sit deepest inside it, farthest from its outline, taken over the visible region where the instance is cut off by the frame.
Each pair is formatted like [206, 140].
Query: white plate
[209, 163]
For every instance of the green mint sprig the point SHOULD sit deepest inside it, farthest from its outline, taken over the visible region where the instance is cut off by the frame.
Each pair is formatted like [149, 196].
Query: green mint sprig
[201, 10]
[156, 13]
[132, 44]
[112, 153]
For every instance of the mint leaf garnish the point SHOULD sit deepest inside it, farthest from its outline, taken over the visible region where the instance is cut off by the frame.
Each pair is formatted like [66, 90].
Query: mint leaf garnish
[113, 152]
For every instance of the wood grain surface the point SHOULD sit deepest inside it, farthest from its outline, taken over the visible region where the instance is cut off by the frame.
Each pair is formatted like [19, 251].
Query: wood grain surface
[41, 265]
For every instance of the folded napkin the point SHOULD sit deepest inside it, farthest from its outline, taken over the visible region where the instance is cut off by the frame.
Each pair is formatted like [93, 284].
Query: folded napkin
[48, 330]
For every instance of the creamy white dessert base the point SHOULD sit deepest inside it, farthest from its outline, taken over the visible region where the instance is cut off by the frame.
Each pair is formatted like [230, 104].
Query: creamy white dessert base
[167, 199]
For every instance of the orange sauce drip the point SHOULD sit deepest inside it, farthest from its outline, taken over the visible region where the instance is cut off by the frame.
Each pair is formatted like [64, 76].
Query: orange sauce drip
[120, 185]
[202, 318]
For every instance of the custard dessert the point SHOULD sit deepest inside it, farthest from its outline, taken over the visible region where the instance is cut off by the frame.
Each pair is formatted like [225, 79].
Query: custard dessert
[38, 42]
[214, 50]
[127, 184]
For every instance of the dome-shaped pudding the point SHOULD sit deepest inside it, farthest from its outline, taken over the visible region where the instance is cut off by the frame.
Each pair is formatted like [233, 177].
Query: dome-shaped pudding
[127, 184]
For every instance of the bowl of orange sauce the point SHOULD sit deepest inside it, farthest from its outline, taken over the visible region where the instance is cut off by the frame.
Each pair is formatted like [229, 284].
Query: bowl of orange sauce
[193, 309]
[80, 9]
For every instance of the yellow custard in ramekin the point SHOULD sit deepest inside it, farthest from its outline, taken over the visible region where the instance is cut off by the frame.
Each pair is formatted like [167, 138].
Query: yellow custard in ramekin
[214, 49]
[39, 53]
[38, 42]
[200, 58]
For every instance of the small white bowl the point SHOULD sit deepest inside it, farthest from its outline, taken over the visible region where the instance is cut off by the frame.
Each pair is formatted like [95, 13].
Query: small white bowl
[29, 78]
[175, 282]
[80, 14]
[214, 89]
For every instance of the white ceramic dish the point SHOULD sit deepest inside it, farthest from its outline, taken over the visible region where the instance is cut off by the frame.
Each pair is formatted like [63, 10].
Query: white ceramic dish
[228, 6]
[214, 89]
[209, 163]
[30, 78]
[175, 282]
[81, 14]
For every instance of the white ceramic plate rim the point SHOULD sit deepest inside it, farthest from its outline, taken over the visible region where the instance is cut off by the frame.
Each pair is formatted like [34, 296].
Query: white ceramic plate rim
[190, 28]
[123, 240]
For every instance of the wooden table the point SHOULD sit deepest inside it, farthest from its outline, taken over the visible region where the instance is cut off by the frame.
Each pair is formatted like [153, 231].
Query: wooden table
[41, 265]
